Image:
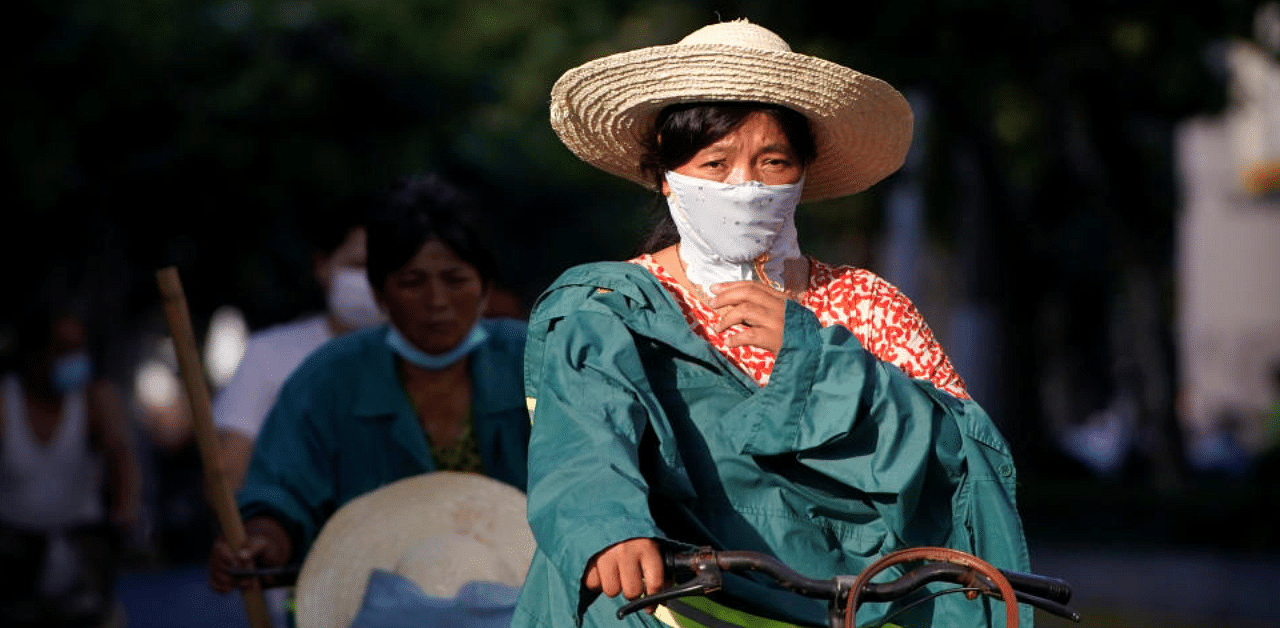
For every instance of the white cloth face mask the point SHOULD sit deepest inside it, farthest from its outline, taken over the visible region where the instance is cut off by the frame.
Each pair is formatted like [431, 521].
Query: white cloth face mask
[725, 227]
[351, 299]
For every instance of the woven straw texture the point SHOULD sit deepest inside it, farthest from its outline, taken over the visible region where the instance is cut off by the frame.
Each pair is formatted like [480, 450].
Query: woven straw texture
[439, 529]
[861, 124]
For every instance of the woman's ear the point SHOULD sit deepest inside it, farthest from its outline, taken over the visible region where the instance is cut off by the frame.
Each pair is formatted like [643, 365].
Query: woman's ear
[666, 188]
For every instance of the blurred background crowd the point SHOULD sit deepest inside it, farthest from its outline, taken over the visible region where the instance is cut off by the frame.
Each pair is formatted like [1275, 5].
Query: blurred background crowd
[1089, 216]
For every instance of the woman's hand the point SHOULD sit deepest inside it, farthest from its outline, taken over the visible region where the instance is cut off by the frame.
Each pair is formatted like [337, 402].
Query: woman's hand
[760, 310]
[266, 545]
[632, 568]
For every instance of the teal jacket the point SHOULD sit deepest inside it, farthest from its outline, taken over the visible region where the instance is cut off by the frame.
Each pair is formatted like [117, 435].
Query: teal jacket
[343, 426]
[643, 429]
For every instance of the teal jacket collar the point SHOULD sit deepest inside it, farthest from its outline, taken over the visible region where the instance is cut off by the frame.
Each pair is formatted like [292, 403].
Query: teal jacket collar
[382, 395]
[637, 297]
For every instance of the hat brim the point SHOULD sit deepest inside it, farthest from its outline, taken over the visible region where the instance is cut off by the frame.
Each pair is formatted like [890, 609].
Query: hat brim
[375, 530]
[862, 126]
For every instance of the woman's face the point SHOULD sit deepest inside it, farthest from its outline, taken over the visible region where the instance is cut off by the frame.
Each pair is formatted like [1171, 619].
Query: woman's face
[757, 150]
[435, 298]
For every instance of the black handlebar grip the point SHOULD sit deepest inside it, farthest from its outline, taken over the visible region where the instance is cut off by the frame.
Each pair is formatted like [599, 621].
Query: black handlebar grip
[1040, 586]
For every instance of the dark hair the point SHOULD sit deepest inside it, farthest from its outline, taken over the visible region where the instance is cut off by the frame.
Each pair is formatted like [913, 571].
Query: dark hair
[680, 131]
[415, 210]
[33, 332]
[328, 229]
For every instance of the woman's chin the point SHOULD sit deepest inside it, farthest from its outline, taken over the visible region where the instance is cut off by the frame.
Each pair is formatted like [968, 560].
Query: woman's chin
[439, 347]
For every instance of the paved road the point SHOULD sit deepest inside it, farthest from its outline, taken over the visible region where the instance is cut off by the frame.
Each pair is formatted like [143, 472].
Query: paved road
[1164, 587]
[179, 598]
[1115, 587]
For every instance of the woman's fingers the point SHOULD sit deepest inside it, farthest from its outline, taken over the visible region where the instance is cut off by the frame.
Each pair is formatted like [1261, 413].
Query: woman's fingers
[748, 314]
[602, 573]
[223, 559]
[651, 565]
[753, 337]
[749, 303]
[610, 582]
[758, 309]
[631, 568]
[631, 579]
[251, 555]
[254, 546]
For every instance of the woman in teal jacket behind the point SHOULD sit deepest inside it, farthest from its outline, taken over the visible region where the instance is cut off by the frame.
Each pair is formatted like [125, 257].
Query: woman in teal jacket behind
[724, 389]
[439, 388]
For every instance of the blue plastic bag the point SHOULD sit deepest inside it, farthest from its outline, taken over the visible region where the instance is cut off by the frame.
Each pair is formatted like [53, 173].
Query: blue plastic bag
[393, 601]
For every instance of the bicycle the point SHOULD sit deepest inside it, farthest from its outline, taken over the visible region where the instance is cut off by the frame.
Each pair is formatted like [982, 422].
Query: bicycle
[845, 593]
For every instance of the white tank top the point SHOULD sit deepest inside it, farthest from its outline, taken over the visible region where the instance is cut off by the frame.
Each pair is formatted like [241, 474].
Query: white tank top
[47, 486]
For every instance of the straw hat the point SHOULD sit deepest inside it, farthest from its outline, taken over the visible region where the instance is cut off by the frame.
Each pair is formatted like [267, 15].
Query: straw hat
[440, 530]
[861, 124]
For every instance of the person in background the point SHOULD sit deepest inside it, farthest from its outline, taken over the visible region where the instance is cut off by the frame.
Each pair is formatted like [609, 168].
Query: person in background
[70, 487]
[338, 265]
[1273, 410]
[723, 388]
[438, 388]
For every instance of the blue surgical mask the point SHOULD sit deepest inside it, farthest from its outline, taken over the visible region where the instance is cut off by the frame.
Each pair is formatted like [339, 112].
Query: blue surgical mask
[71, 372]
[434, 362]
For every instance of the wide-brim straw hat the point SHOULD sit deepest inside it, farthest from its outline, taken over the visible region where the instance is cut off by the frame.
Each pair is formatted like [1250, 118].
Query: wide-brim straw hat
[861, 124]
[440, 530]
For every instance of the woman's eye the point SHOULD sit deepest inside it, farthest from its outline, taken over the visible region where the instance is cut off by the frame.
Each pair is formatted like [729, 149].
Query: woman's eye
[457, 279]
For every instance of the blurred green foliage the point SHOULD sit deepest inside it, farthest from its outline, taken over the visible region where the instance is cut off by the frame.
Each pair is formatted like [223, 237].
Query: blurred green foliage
[210, 119]
[212, 134]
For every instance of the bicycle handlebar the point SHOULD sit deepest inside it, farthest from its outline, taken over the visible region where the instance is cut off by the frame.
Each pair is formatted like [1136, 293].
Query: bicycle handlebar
[706, 565]
[1046, 587]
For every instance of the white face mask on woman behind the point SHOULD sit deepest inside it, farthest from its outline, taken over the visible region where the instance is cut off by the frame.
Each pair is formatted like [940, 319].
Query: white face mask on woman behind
[351, 299]
[725, 227]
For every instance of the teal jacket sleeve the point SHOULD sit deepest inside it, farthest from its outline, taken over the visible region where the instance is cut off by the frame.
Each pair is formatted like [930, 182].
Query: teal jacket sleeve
[586, 489]
[290, 473]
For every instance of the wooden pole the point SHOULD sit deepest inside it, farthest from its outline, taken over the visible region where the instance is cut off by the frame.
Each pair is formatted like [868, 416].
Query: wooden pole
[192, 371]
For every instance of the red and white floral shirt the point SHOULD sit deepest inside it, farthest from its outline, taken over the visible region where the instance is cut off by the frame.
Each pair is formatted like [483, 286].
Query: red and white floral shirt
[879, 316]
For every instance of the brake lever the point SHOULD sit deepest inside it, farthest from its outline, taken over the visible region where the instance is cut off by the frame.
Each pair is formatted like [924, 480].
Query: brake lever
[707, 578]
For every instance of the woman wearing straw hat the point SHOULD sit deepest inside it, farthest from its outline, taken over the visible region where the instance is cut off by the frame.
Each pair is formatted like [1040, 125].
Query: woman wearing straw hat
[437, 389]
[723, 388]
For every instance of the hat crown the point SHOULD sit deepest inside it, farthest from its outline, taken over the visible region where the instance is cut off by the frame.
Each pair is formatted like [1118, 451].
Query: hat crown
[740, 33]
